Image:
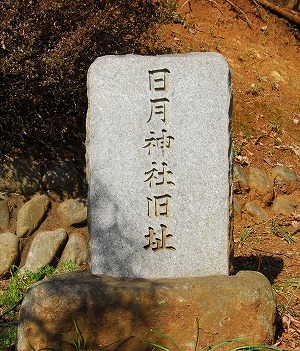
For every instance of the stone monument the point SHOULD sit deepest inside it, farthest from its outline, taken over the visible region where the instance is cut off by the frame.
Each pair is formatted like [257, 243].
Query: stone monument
[159, 165]
[159, 168]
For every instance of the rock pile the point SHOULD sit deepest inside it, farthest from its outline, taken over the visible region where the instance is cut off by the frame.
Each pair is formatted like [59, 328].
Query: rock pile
[264, 196]
[37, 227]
[65, 243]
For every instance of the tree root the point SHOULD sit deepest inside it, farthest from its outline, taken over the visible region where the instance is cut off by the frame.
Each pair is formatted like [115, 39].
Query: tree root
[290, 16]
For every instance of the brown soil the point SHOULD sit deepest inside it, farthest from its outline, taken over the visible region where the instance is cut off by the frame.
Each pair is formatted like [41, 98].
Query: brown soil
[263, 54]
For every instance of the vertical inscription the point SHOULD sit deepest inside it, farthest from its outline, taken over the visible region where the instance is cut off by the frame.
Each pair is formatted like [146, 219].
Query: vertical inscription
[158, 175]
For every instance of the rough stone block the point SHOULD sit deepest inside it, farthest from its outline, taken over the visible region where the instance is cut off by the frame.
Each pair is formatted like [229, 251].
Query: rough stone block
[240, 180]
[159, 165]
[108, 309]
[74, 251]
[283, 205]
[285, 180]
[9, 248]
[4, 214]
[261, 187]
[44, 248]
[255, 210]
[32, 214]
[73, 212]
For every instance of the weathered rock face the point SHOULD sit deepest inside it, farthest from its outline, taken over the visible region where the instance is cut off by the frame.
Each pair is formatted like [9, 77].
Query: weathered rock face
[31, 215]
[282, 205]
[73, 212]
[255, 210]
[261, 187]
[237, 208]
[275, 193]
[19, 176]
[108, 309]
[4, 214]
[285, 180]
[9, 248]
[75, 250]
[240, 180]
[43, 249]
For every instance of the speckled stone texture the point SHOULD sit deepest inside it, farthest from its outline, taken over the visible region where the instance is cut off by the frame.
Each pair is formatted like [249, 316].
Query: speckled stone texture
[109, 309]
[159, 165]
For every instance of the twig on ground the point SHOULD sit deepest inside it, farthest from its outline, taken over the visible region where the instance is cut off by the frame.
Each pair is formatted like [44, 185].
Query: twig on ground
[187, 2]
[183, 36]
[283, 147]
[197, 27]
[218, 6]
[268, 162]
[295, 149]
[241, 12]
[11, 308]
[260, 137]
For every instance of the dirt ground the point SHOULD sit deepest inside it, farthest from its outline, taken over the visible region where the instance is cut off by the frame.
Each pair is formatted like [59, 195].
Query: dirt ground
[264, 57]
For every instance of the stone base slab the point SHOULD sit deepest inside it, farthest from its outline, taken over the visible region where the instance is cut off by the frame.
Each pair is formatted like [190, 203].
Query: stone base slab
[108, 309]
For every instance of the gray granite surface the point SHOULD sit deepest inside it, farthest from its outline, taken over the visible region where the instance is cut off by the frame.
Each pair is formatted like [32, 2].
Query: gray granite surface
[159, 165]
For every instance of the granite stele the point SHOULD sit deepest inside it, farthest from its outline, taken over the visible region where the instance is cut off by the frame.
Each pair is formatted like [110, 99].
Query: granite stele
[159, 165]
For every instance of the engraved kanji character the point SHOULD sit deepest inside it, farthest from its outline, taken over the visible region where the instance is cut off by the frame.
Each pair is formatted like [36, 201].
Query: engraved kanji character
[160, 207]
[154, 175]
[158, 244]
[159, 79]
[163, 142]
[160, 108]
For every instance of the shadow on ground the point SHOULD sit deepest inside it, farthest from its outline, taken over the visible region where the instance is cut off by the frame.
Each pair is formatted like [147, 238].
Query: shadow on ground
[269, 266]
